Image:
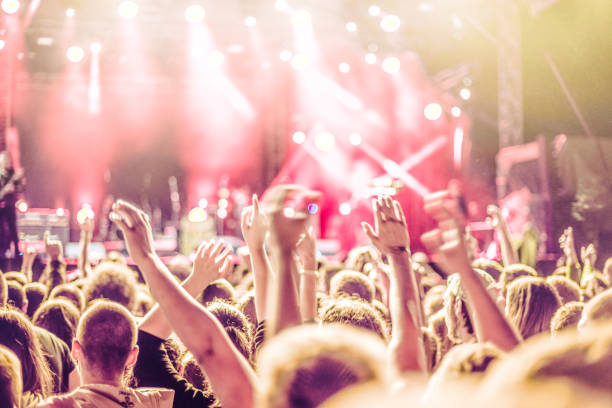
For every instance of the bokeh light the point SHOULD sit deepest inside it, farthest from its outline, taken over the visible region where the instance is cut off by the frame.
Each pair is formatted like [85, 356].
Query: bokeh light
[456, 111]
[75, 53]
[344, 208]
[391, 65]
[10, 6]
[301, 18]
[203, 203]
[355, 139]
[215, 58]
[84, 214]
[285, 55]
[299, 137]
[128, 9]
[433, 111]
[195, 13]
[344, 67]
[325, 141]
[390, 23]
[197, 214]
[351, 26]
[374, 10]
[250, 21]
[300, 62]
[465, 94]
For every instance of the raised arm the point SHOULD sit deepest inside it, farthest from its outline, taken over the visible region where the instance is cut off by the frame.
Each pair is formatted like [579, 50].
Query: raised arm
[448, 240]
[390, 236]
[306, 250]
[509, 254]
[55, 270]
[87, 228]
[231, 377]
[572, 263]
[29, 255]
[254, 230]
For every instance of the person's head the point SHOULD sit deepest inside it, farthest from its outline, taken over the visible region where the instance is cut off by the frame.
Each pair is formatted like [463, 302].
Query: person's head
[354, 312]
[11, 387]
[305, 365]
[17, 277]
[597, 310]
[567, 289]
[112, 281]
[567, 316]
[607, 270]
[490, 266]
[530, 305]
[592, 285]
[349, 283]
[70, 293]
[457, 316]
[513, 272]
[218, 289]
[115, 257]
[60, 317]
[16, 296]
[36, 293]
[144, 301]
[246, 304]
[105, 343]
[236, 325]
[327, 271]
[3, 291]
[358, 257]
[17, 334]
[433, 301]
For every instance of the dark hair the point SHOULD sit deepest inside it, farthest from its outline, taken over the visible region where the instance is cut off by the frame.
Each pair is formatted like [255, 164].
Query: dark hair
[10, 378]
[107, 334]
[69, 292]
[114, 282]
[354, 312]
[218, 289]
[60, 317]
[349, 283]
[36, 293]
[17, 334]
[16, 294]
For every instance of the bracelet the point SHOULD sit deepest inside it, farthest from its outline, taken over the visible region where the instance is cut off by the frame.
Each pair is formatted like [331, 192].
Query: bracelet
[309, 272]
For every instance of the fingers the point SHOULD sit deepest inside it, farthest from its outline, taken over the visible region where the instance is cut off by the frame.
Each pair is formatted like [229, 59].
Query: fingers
[224, 255]
[369, 231]
[225, 268]
[217, 249]
[244, 218]
[399, 213]
[46, 238]
[432, 240]
[119, 220]
[255, 205]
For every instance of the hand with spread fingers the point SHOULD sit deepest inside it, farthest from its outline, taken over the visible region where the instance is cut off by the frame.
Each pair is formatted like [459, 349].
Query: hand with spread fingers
[212, 261]
[136, 228]
[390, 233]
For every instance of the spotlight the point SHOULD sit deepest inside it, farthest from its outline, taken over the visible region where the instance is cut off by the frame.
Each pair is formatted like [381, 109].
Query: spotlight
[127, 9]
[95, 47]
[197, 214]
[2, 44]
[203, 203]
[21, 206]
[215, 58]
[374, 11]
[325, 141]
[344, 208]
[313, 208]
[433, 111]
[465, 94]
[75, 53]
[370, 58]
[285, 55]
[250, 21]
[344, 67]
[351, 26]
[289, 212]
[195, 13]
[281, 5]
[10, 6]
[299, 137]
[84, 214]
[456, 111]
[70, 12]
[355, 139]
[222, 213]
[390, 23]
[223, 203]
[391, 65]
[60, 212]
[300, 62]
[301, 18]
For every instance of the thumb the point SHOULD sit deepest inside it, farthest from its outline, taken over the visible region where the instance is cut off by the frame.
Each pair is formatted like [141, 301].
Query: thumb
[369, 231]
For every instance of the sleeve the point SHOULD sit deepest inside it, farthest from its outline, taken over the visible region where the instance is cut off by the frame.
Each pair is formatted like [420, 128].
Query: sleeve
[153, 369]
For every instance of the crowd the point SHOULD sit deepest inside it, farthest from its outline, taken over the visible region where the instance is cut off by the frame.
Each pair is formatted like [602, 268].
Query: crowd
[284, 328]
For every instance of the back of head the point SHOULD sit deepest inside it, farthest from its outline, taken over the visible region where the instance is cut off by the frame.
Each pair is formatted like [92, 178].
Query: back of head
[358, 257]
[17, 334]
[218, 289]
[305, 365]
[16, 295]
[36, 293]
[18, 277]
[598, 309]
[10, 379]
[236, 325]
[350, 283]
[567, 316]
[490, 266]
[567, 289]
[530, 305]
[112, 281]
[107, 334]
[433, 301]
[71, 293]
[354, 312]
[246, 304]
[513, 272]
[60, 317]
[328, 271]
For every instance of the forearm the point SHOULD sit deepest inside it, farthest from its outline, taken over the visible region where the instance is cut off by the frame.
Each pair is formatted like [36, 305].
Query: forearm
[27, 271]
[489, 322]
[308, 295]
[509, 255]
[283, 311]
[261, 270]
[84, 242]
[406, 345]
[203, 335]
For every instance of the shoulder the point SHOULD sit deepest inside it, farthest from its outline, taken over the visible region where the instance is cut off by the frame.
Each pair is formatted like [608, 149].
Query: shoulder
[59, 402]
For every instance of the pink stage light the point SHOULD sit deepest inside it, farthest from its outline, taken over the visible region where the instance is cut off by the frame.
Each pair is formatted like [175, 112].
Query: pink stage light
[84, 214]
[10, 6]
[345, 208]
[75, 54]
[22, 206]
[128, 9]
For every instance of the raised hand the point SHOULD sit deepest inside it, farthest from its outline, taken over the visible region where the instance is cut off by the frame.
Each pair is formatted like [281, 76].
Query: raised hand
[390, 233]
[254, 225]
[588, 255]
[212, 261]
[306, 249]
[136, 228]
[87, 226]
[495, 218]
[286, 223]
[53, 248]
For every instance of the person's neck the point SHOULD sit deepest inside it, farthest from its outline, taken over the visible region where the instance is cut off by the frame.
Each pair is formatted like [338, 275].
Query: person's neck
[88, 378]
